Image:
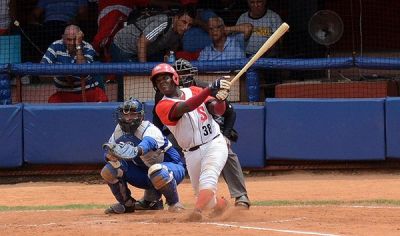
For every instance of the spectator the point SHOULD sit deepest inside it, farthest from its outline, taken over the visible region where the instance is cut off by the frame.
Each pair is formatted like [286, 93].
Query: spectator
[225, 46]
[197, 37]
[56, 15]
[153, 35]
[72, 49]
[150, 37]
[112, 14]
[7, 14]
[265, 22]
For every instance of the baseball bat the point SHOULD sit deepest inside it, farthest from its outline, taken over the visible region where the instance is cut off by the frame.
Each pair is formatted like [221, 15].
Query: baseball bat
[265, 47]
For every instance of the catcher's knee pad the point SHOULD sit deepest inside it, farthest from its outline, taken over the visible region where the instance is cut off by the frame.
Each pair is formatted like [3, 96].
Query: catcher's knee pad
[111, 174]
[159, 175]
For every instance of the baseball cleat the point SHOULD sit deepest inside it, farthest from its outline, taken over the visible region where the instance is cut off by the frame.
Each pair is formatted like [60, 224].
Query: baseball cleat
[220, 207]
[177, 207]
[147, 205]
[195, 216]
[242, 202]
[118, 208]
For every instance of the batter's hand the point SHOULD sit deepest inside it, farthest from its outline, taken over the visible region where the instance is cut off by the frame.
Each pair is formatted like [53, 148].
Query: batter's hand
[222, 94]
[221, 83]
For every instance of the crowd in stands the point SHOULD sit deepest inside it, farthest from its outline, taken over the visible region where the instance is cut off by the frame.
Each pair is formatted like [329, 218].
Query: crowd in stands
[138, 30]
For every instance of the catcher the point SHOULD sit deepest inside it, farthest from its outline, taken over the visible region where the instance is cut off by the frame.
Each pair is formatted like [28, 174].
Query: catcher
[137, 153]
[232, 171]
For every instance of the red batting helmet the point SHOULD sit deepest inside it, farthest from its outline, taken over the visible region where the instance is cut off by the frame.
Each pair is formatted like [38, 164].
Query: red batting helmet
[162, 69]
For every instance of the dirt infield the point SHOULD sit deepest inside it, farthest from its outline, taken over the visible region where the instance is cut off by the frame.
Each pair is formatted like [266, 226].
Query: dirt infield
[291, 203]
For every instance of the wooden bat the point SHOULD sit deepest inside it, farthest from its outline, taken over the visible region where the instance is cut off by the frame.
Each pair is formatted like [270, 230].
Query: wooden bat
[265, 47]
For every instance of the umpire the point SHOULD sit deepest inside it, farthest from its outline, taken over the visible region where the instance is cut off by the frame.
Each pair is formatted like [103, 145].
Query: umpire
[232, 171]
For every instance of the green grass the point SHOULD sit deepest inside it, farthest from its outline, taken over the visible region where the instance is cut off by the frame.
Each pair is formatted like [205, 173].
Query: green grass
[62, 207]
[374, 202]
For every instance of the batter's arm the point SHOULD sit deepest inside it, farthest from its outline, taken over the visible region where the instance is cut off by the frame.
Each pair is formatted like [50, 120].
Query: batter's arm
[189, 105]
[216, 107]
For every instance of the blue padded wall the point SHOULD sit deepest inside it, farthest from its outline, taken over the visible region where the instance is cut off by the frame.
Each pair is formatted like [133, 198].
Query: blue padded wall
[11, 154]
[67, 133]
[393, 127]
[250, 126]
[318, 129]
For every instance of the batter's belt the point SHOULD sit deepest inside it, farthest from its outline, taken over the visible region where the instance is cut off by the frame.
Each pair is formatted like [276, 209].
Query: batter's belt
[198, 146]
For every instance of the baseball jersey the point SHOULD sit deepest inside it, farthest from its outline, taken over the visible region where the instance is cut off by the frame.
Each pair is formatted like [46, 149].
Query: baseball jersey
[193, 128]
[263, 28]
[149, 138]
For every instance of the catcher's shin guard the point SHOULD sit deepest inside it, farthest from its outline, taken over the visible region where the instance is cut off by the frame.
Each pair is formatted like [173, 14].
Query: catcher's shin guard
[120, 191]
[164, 182]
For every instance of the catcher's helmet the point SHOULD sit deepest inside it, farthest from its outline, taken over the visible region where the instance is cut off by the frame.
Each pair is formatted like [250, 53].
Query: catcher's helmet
[162, 69]
[186, 72]
[132, 105]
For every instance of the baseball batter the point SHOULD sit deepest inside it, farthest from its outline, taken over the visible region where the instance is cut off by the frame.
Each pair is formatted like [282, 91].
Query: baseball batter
[187, 113]
[137, 153]
[232, 171]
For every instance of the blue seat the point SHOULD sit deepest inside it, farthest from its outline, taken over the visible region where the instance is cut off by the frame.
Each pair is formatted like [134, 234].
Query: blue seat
[10, 49]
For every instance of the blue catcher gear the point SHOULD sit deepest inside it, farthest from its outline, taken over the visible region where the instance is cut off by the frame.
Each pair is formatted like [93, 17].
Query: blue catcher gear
[163, 180]
[119, 189]
[124, 151]
[130, 115]
[186, 72]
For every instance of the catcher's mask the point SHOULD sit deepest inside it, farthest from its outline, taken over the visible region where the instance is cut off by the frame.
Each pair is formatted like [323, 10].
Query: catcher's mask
[164, 68]
[186, 72]
[130, 115]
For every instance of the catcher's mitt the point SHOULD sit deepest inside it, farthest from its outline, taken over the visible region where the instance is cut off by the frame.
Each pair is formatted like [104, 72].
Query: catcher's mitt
[124, 151]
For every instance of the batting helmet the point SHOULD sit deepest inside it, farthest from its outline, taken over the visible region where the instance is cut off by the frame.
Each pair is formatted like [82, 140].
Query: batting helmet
[186, 72]
[162, 69]
[132, 105]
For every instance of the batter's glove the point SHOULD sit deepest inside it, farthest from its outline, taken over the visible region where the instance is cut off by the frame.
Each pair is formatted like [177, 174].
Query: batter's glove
[222, 94]
[122, 151]
[221, 83]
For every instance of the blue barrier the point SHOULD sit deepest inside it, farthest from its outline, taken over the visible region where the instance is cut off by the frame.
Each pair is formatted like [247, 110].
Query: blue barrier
[203, 66]
[393, 127]
[11, 154]
[5, 89]
[377, 63]
[325, 129]
[250, 122]
[67, 133]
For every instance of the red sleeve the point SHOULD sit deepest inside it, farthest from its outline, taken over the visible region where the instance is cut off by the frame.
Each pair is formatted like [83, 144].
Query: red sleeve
[162, 109]
[197, 90]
